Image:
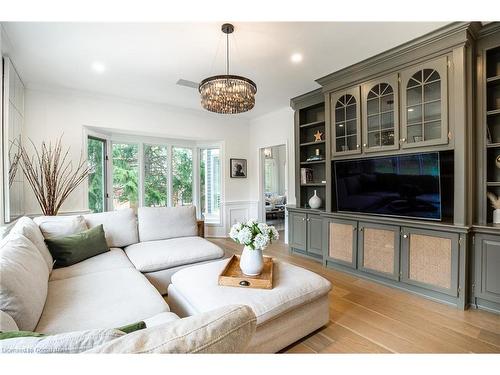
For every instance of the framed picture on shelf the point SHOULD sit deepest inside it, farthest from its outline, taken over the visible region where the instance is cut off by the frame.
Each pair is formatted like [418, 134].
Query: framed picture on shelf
[238, 168]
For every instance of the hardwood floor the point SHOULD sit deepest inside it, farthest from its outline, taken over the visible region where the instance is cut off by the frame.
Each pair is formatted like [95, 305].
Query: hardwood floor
[367, 317]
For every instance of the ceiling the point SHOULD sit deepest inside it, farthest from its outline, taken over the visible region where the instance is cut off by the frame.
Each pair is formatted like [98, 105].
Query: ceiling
[145, 60]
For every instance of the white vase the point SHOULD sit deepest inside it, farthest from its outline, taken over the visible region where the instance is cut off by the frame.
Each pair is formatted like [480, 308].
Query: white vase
[496, 216]
[251, 261]
[315, 201]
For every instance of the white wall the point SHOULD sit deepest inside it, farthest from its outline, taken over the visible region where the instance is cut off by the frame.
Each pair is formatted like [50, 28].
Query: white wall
[272, 129]
[49, 113]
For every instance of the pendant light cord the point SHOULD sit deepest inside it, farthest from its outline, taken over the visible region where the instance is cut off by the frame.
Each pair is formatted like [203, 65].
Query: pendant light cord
[227, 54]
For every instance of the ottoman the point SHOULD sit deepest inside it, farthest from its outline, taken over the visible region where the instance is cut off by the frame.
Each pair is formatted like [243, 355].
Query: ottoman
[296, 306]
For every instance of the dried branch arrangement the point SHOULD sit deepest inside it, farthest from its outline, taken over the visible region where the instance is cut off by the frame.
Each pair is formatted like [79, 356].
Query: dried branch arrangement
[494, 200]
[14, 159]
[50, 173]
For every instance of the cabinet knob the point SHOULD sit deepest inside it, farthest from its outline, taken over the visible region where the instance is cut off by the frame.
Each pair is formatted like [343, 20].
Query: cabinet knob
[361, 229]
[303, 219]
[405, 236]
[308, 219]
[354, 228]
[357, 146]
[402, 140]
[364, 144]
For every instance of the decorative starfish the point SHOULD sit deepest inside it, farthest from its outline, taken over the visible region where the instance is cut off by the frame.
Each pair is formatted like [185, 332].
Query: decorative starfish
[317, 136]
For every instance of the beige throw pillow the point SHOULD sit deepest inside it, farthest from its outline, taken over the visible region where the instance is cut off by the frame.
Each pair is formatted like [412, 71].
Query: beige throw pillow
[60, 226]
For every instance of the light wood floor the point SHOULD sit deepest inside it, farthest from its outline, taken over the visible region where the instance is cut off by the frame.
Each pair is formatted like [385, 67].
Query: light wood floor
[367, 317]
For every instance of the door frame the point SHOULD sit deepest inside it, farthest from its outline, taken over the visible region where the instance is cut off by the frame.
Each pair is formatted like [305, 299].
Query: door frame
[261, 178]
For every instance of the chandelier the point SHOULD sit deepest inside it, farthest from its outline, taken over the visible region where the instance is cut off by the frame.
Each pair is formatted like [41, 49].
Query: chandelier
[228, 94]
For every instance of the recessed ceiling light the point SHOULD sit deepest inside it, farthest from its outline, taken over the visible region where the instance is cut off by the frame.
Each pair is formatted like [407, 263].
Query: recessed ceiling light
[98, 67]
[296, 58]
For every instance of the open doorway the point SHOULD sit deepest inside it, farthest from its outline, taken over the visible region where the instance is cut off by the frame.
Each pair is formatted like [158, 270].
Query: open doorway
[274, 185]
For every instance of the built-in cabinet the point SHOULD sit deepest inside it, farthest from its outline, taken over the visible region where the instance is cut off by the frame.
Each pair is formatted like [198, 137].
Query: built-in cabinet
[346, 122]
[306, 234]
[426, 259]
[378, 249]
[424, 98]
[429, 259]
[437, 93]
[369, 117]
[486, 285]
[380, 109]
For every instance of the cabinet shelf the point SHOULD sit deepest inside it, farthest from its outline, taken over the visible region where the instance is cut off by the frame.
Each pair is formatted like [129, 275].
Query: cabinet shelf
[493, 145]
[312, 143]
[313, 184]
[493, 79]
[493, 112]
[493, 184]
[314, 123]
[312, 162]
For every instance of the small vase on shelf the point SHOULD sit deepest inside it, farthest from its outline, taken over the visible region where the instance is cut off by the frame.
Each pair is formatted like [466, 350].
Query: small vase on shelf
[496, 216]
[251, 261]
[315, 201]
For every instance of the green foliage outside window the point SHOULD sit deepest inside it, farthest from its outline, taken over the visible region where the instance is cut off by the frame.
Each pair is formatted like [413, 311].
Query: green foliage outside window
[182, 176]
[155, 175]
[125, 175]
[95, 156]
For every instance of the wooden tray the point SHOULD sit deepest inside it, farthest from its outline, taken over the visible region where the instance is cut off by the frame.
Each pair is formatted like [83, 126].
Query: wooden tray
[233, 276]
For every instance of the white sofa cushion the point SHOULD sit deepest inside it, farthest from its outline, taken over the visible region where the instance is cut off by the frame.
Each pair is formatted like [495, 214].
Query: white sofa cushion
[112, 259]
[68, 343]
[31, 231]
[158, 255]
[225, 330]
[23, 284]
[60, 226]
[161, 223]
[99, 300]
[120, 227]
[161, 318]
[292, 287]
[7, 323]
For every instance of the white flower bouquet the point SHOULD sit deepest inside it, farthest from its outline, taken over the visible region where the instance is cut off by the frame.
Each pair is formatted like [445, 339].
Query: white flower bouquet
[253, 235]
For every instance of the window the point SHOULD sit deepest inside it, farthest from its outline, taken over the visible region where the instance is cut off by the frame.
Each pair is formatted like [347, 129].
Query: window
[210, 184]
[155, 175]
[125, 175]
[96, 152]
[182, 176]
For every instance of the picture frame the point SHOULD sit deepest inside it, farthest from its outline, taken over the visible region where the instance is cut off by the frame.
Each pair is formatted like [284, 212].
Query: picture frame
[238, 168]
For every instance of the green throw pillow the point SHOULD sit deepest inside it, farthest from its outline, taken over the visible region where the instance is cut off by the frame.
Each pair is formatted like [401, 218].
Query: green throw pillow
[132, 327]
[16, 334]
[77, 247]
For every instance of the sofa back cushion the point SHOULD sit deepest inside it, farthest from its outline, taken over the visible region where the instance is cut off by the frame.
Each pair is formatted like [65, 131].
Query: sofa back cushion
[60, 226]
[27, 227]
[24, 280]
[120, 226]
[161, 223]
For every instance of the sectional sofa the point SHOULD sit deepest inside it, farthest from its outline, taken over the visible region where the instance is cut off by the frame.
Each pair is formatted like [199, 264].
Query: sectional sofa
[81, 305]
[113, 289]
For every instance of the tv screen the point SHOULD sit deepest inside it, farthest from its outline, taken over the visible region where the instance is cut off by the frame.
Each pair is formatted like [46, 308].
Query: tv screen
[407, 186]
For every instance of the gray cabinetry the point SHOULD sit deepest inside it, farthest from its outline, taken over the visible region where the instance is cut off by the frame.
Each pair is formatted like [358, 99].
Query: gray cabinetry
[345, 122]
[306, 234]
[429, 259]
[380, 112]
[487, 267]
[378, 249]
[341, 238]
[424, 104]
[298, 230]
[314, 235]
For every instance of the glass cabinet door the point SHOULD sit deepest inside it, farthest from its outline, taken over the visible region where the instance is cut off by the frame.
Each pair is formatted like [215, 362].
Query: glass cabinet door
[381, 114]
[425, 104]
[346, 132]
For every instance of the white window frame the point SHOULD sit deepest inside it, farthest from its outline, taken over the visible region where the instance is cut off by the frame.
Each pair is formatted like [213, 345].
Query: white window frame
[195, 146]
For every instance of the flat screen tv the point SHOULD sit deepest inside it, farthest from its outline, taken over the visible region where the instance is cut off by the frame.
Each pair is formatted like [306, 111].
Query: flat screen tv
[407, 186]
